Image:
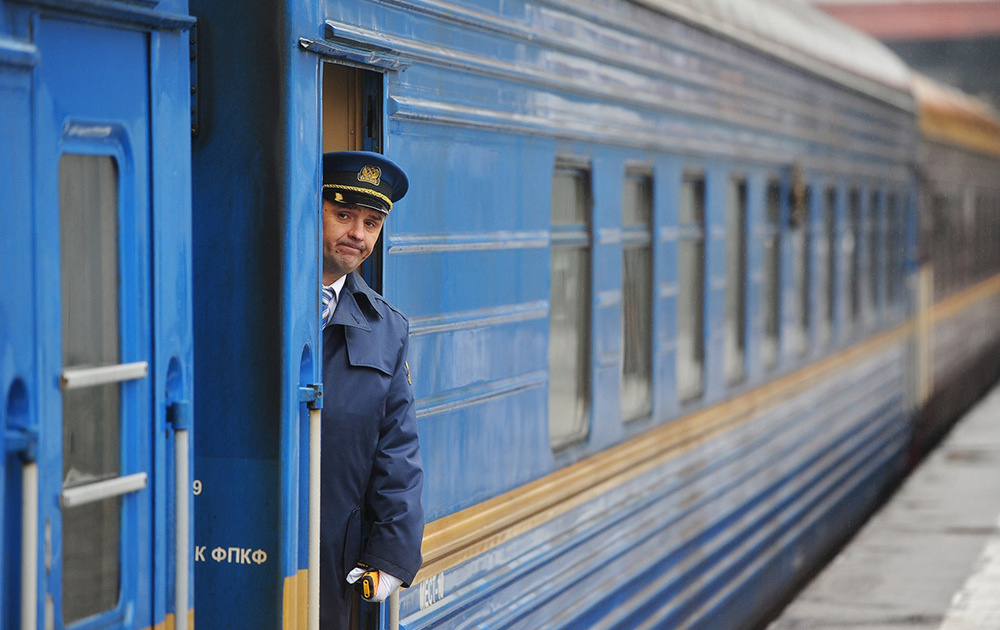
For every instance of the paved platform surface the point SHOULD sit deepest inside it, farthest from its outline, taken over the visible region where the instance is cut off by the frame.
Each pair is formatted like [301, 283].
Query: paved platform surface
[930, 558]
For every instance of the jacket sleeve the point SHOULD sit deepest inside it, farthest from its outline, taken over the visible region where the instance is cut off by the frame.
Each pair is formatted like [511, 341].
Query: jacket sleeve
[394, 505]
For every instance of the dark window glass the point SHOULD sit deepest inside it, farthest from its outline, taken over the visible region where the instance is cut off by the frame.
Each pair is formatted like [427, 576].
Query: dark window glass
[88, 240]
[851, 245]
[734, 340]
[827, 272]
[801, 269]
[875, 246]
[691, 290]
[569, 314]
[772, 270]
[637, 297]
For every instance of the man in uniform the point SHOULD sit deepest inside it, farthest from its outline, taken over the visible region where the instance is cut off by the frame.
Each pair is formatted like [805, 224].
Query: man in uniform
[371, 519]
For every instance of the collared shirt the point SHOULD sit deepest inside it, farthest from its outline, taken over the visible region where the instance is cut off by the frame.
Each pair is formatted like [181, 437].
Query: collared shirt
[336, 287]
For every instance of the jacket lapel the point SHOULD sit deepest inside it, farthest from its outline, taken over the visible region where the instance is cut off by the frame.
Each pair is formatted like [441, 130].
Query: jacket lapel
[358, 311]
[349, 312]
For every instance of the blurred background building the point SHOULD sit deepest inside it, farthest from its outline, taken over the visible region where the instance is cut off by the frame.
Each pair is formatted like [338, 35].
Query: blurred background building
[954, 41]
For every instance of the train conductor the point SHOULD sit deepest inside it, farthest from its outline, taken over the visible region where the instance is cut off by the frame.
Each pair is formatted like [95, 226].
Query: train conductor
[371, 518]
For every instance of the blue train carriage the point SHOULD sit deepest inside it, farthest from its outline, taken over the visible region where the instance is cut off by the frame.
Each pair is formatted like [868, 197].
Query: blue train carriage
[654, 258]
[958, 334]
[656, 279]
[95, 314]
[255, 199]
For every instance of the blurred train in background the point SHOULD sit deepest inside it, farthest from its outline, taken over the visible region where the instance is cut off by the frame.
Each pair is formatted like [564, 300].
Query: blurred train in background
[690, 287]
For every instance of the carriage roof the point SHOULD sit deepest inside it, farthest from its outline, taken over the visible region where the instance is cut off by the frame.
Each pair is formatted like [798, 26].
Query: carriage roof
[802, 36]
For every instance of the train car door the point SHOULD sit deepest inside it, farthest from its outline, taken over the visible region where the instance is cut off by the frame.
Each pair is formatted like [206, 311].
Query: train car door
[93, 243]
[352, 121]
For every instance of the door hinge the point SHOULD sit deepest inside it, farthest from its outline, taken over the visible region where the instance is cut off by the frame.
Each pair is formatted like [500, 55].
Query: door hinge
[193, 56]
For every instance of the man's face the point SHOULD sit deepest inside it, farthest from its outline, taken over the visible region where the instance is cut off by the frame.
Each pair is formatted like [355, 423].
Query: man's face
[349, 235]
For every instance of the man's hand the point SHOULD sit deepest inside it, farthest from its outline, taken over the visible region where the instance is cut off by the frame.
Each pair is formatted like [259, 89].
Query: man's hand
[378, 584]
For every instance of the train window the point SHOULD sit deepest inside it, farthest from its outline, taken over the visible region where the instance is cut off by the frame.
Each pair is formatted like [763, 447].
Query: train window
[637, 296]
[978, 232]
[987, 233]
[88, 240]
[827, 279]
[951, 238]
[954, 241]
[569, 314]
[986, 214]
[902, 212]
[734, 338]
[772, 279]
[851, 242]
[801, 268]
[994, 232]
[873, 238]
[691, 289]
[967, 236]
[893, 258]
[938, 240]
[991, 216]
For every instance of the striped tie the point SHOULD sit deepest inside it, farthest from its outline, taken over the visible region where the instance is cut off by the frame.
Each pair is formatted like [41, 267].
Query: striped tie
[327, 316]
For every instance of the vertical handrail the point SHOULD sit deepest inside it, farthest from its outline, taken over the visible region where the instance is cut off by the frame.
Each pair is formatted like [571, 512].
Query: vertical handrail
[394, 611]
[315, 420]
[181, 529]
[29, 546]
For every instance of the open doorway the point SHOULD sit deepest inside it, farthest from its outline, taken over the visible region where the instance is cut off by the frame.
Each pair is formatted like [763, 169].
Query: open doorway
[352, 121]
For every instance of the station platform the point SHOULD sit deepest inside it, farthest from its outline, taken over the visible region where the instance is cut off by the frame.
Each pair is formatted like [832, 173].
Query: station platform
[930, 558]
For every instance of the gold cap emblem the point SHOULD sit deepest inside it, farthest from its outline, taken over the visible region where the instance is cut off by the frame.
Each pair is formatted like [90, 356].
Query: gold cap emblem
[370, 175]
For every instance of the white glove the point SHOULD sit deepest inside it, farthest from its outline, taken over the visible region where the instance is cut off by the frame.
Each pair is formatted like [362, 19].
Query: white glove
[387, 584]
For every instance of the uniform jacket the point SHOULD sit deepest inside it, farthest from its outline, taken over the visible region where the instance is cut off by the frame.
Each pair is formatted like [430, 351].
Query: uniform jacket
[371, 468]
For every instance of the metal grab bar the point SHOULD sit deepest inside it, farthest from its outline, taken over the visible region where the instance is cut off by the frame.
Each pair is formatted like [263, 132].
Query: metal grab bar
[394, 611]
[75, 378]
[181, 531]
[314, 503]
[100, 490]
[29, 546]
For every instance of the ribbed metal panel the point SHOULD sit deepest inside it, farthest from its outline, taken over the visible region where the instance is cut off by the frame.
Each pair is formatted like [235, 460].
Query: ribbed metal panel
[624, 75]
[675, 544]
[491, 97]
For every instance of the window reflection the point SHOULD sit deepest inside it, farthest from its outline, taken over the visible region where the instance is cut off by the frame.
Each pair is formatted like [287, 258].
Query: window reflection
[88, 240]
[637, 297]
[569, 310]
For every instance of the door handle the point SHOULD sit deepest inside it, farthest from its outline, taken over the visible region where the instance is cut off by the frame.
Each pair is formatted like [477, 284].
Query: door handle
[100, 490]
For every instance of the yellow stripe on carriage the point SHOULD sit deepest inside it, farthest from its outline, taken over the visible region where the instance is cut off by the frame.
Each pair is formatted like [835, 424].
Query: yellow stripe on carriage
[295, 601]
[169, 624]
[462, 536]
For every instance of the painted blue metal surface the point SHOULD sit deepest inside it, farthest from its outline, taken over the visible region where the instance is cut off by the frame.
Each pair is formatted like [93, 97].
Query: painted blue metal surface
[236, 253]
[172, 288]
[301, 232]
[683, 542]
[485, 103]
[78, 80]
[17, 336]
[497, 130]
[75, 115]
[480, 100]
